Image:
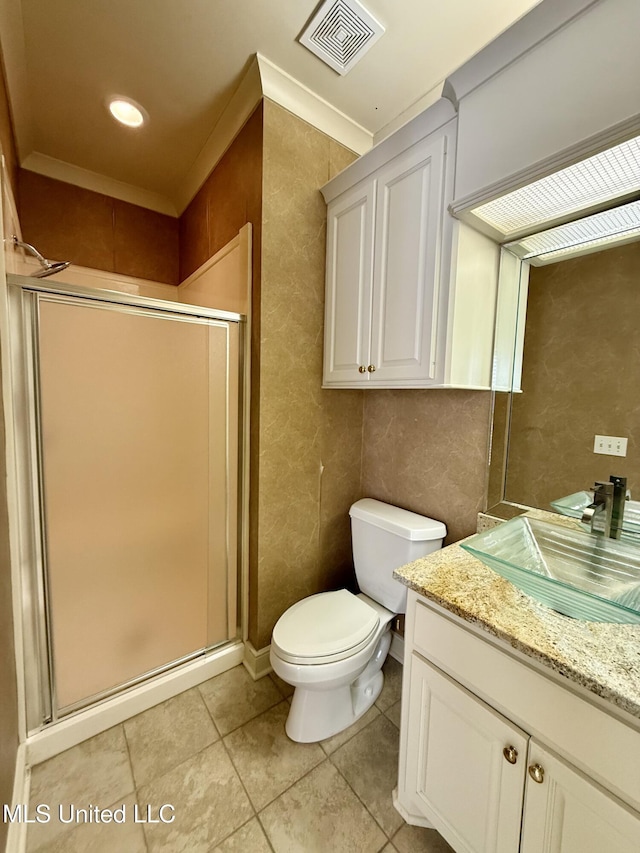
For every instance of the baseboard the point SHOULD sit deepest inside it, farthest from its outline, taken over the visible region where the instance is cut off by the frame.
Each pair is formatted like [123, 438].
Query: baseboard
[397, 647]
[17, 832]
[257, 661]
[85, 724]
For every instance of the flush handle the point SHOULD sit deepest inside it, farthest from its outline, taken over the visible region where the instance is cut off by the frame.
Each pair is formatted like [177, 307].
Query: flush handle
[537, 773]
[511, 754]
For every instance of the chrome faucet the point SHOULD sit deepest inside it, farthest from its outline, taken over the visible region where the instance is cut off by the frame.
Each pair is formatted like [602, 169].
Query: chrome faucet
[602, 506]
[607, 506]
[620, 495]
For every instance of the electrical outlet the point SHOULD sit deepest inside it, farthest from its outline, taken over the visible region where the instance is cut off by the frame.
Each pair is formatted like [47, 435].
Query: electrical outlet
[610, 445]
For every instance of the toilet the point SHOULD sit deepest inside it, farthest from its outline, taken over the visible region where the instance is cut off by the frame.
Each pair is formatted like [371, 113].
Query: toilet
[331, 646]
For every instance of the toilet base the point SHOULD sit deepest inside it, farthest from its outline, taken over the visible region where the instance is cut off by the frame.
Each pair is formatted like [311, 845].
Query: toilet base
[318, 714]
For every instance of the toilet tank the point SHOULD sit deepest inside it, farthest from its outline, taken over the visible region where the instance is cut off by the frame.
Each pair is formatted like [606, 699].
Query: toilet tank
[385, 537]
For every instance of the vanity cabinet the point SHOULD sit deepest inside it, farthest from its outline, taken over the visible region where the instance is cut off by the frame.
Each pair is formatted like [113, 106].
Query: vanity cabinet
[525, 766]
[566, 812]
[410, 294]
[459, 776]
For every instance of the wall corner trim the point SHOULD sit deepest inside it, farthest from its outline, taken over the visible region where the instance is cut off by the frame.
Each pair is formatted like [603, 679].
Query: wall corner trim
[286, 91]
[256, 661]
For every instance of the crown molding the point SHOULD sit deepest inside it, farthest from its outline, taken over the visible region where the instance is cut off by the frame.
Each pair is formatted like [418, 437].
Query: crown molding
[535, 26]
[417, 107]
[243, 102]
[261, 79]
[88, 180]
[286, 91]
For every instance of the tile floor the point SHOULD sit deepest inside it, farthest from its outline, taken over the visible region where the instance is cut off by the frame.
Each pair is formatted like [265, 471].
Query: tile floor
[219, 754]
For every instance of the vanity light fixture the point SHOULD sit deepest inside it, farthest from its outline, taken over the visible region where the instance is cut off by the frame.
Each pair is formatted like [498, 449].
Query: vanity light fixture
[592, 233]
[590, 183]
[127, 112]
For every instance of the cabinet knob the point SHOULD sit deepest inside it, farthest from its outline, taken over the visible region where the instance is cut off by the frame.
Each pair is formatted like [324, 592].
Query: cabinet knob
[362, 369]
[371, 368]
[511, 754]
[537, 773]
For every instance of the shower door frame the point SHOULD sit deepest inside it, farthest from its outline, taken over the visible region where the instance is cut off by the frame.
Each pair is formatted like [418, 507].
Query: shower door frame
[25, 456]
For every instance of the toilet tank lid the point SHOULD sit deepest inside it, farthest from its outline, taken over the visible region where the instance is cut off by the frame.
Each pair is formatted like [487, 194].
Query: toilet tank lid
[408, 525]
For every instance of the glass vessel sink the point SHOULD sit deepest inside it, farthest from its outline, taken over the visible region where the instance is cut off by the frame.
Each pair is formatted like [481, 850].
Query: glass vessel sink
[579, 574]
[574, 505]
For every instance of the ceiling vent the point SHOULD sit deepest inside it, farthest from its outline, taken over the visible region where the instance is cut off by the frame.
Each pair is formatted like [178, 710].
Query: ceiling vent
[340, 33]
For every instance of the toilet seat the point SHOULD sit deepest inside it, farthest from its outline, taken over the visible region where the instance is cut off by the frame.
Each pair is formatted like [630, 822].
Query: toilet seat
[326, 627]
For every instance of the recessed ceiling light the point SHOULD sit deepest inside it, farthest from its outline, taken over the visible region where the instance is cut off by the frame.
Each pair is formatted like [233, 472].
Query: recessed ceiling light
[127, 112]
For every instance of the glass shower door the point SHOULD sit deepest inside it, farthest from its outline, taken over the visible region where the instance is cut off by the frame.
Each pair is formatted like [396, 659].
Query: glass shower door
[138, 418]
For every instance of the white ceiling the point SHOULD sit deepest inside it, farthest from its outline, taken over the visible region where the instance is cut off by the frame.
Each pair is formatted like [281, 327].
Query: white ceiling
[183, 60]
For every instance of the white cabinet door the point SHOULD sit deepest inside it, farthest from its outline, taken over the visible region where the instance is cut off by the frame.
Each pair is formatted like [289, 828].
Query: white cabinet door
[347, 334]
[457, 772]
[567, 813]
[408, 245]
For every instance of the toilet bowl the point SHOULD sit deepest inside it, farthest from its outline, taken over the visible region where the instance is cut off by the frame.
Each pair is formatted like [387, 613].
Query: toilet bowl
[331, 646]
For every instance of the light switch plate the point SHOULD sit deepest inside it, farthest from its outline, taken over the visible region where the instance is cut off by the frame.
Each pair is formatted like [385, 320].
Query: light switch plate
[610, 445]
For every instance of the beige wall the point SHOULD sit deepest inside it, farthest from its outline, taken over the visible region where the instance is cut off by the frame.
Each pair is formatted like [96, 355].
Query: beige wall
[426, 451]
[580, 377]
[321, 450]
[309, 440]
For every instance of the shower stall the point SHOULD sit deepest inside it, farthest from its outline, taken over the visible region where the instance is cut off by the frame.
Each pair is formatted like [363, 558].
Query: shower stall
[127, 417]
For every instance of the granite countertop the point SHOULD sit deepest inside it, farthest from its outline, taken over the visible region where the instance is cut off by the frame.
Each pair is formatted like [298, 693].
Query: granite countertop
[602, 657]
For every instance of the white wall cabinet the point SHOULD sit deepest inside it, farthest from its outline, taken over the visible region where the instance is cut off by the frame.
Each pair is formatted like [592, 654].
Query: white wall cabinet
[399, 310]
[484, 776]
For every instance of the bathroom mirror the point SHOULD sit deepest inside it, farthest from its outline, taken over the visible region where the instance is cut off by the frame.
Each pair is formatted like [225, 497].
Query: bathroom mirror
[579, 346]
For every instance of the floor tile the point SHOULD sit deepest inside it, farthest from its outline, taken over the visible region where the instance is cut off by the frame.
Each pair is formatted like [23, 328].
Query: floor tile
[321, 814]
[392, 687]
[168, 734]
[416, 839]
[369, 763]
[250, 838]
[332, 743]
[394, 713]
[96, 772]
[267, 761]
[234, 698]
[208, 799]
[102, 837]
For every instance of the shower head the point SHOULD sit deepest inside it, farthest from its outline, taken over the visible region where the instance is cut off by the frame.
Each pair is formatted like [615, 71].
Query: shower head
[51, 268]
[48, 267]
